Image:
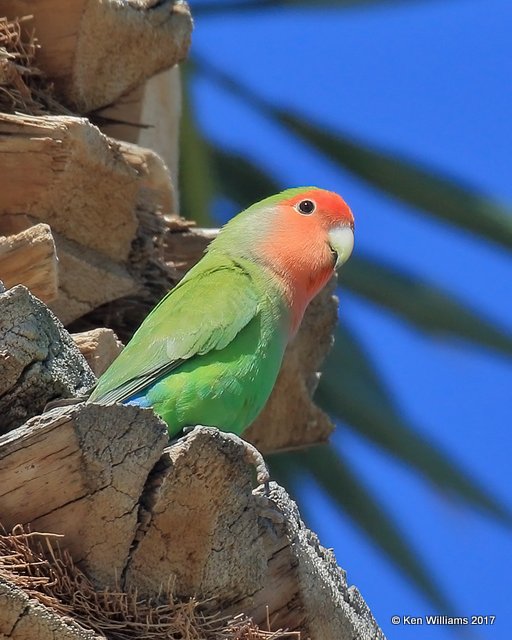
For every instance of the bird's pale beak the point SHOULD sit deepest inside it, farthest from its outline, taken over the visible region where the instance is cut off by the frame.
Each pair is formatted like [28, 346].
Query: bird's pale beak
[341, 241]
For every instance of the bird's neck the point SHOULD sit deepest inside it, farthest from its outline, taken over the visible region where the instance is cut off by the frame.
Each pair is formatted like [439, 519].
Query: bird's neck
[299, 290]
[295, 286]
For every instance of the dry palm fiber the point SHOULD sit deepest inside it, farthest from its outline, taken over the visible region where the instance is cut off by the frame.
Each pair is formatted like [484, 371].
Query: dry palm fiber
[23, 87]
[34, 562]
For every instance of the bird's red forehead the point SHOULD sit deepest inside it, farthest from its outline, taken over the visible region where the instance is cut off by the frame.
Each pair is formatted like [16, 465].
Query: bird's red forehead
[329, 205]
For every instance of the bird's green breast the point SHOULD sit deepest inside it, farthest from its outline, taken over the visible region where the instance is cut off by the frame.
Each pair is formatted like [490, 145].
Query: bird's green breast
[224, 388]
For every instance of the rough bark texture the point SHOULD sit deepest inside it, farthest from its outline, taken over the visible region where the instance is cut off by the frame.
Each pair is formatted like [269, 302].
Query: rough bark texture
[87, 280]
[22, 618]
[87, 46]
[305, 585]
[134, 511]
[158, 191]
[95, 462]
[201, 525]
[38, 359]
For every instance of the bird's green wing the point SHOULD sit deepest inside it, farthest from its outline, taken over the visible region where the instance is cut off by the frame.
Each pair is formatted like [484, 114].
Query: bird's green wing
[204, 312]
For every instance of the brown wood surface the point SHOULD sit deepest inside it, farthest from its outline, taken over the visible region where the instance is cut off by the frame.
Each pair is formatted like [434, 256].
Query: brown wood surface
[80, 471]
[79, 182]
[100, 347]
[135, 515]
[94, 51]
[29, 257]
[149, 116]
[104, 201]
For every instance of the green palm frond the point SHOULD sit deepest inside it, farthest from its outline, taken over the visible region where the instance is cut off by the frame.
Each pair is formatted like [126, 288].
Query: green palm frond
[427, 190]
[350, 389]
[334, 475]
[406, 180]
[213, 8]
[240, 179]
[425, 305]
[197, 186]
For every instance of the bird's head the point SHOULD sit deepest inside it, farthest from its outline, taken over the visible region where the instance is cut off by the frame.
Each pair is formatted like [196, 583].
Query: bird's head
[302, 235]
[318, 219]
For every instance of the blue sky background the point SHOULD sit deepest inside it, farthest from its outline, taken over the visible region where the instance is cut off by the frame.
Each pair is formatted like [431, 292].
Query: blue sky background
[431, 80]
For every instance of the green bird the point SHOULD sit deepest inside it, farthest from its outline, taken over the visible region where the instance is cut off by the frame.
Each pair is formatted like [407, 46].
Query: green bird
[209, 353]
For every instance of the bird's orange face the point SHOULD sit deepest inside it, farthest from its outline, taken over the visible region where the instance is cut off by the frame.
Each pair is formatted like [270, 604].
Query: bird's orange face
[312, 234]
[324, 216]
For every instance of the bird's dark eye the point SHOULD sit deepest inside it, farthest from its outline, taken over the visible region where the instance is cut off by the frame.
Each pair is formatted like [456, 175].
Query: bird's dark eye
[306, 206]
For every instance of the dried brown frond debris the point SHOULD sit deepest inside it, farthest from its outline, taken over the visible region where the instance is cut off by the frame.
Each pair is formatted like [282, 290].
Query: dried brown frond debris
[23, 87]
[34, 562]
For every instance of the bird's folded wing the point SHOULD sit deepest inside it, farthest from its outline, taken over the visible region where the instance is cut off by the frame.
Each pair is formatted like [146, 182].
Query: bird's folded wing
[204, 312]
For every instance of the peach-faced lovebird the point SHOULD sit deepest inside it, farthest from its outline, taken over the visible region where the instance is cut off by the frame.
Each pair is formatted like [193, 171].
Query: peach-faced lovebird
[210, 351]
